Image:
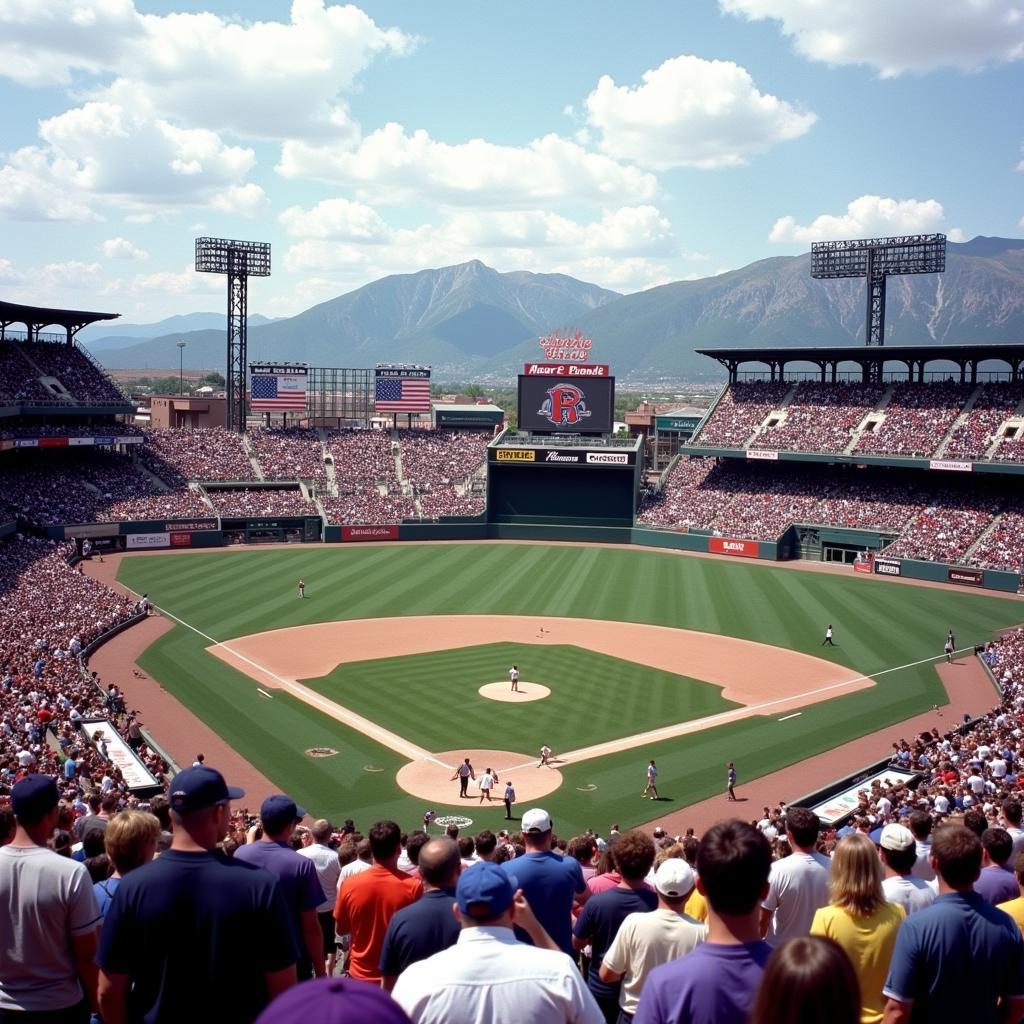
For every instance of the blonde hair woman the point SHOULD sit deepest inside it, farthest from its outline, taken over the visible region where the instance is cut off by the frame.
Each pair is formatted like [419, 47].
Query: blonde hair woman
[860, 920]
[130, 840]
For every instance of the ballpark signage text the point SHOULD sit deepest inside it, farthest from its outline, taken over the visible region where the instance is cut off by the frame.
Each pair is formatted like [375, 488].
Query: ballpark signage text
[757, 453]
[577, 405]
[888, 566]
[954, 467]
[562, 457]
[966, 577]
[573, 347]
[728, 546]
[567, 370]
[515, 455]
[354, 533]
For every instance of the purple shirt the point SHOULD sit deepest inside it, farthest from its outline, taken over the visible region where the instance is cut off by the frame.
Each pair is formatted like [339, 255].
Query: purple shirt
[715, 984]
[997, 885]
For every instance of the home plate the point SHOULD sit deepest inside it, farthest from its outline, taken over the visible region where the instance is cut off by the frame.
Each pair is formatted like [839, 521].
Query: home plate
[505, 693]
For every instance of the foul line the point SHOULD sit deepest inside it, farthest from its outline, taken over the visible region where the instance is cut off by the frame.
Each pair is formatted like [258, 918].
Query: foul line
[337, 711]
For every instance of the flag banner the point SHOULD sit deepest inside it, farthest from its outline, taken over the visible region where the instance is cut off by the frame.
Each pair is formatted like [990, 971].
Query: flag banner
[400, 390]
[277, 389]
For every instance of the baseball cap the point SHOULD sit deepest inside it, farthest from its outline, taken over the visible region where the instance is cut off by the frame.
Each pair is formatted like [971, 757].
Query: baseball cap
[659, 832]
[896, 837]
[536, 820]
[34, 796]
[280, 810]
[485, 887]
[194, 789]
[333, 1001]
[674, 878]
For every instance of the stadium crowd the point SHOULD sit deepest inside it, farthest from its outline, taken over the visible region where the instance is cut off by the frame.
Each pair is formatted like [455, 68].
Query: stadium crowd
[210, 453]
[22, 364]
[367, 506]
[363, 457]
[740, 411]
[260, 501]
[972, 438]
[288, 454]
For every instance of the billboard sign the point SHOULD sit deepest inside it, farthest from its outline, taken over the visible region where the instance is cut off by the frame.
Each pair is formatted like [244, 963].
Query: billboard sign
[148, 540]
[951, 467]
[133, 769]
[567, 370]
[966, 577]
[582, 406]
[888, 566]
[729, 546]
[573, 347]
[365, 533]
[561, 457]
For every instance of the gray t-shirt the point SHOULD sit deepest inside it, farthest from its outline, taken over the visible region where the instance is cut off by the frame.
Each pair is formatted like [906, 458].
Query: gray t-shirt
[911, 893]
[797, 887]
[325, 860]
[44, 899]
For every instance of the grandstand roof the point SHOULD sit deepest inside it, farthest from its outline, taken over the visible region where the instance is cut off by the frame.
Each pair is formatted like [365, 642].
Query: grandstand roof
[37, 317]
[967, 356]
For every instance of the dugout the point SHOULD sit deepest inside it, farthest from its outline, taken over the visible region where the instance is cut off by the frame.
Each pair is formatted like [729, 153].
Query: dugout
[571, 480]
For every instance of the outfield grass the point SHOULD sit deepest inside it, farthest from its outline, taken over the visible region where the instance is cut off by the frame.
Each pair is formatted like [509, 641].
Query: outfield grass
[879, 625]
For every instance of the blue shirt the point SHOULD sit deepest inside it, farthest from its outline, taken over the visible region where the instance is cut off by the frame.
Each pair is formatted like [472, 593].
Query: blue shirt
[419, 930]
[954, 959]
[192, 923]
[549, 883]
[599, 921]
[715, 984]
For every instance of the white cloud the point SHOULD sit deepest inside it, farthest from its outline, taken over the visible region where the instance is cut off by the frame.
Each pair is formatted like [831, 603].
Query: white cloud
[336, 218]
[691, 112]
[908, 35]
[8, 275]
[865, 217]
[390, 165]
[956, 235]
[31, 188]
[262, 79]
[73, 274]
[122, 249]
[241, 200]
[185, 282]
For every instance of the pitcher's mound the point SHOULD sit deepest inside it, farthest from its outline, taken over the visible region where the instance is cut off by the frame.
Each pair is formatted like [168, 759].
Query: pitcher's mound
[432, 782]
[525, 693]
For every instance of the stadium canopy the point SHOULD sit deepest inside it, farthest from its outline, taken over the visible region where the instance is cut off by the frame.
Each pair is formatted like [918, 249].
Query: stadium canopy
[35, 318]
[873, 358]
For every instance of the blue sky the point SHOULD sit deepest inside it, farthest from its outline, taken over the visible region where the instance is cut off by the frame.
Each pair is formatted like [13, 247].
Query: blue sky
[625, 144]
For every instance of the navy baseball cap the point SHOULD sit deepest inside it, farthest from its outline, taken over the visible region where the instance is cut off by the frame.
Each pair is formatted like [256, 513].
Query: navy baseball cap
[280, 810]
[34, 796]
[484, 890]
[195, 789]
[333, 1001]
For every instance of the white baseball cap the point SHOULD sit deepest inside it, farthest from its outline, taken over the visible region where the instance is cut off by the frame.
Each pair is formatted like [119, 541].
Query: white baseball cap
[536, 820]
[674, 878]
[896, 837]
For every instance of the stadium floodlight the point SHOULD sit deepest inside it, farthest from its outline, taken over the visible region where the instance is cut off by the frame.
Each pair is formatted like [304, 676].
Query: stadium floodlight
[238, 260]
[875, 259]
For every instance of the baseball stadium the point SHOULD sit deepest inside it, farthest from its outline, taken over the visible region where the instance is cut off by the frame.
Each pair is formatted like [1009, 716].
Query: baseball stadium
[346, 590]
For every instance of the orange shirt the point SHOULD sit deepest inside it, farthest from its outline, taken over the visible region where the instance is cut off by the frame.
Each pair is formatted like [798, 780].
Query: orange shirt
[366, 903]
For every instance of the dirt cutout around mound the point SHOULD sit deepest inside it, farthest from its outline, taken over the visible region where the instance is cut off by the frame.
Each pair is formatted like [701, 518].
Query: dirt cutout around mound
[504, 693]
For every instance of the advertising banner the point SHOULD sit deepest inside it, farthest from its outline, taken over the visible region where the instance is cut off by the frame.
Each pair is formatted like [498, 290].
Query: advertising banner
[190, 524]
[515, 455]
[134, 771]
[180, 540]
[609, 458]
[966, 577]
[277, 388]
[357, 533]
[561, 457]
[953, 467]
[401, 389]
[888, 566]
[580, 406]
[567, 370]
[148, 540]
[863, 567]
[757, 453]
[728, 546]
[837, 807]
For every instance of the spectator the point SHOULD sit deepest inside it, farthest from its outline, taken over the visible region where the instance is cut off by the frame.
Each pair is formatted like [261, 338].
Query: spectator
[809, 979]
[1015, 907]
[297, 875]
[799, 882]
[333, 1001]
[193, 918]
[717, 982]
[325, 860]
[488, 975]
[130, 840]
[367, 901]
[960, 959]
[647, 940]
[550, 883]
[898, 852]
[427, 926]
[50, 916]
[601, 918]
[860, 920]
[997, 882]
[920, 823]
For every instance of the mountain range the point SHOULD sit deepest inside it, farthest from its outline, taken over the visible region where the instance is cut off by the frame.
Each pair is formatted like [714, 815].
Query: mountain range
[470, 321]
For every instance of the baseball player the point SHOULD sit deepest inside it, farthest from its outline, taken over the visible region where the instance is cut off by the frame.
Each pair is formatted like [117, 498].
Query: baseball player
[652, 775]
[513, 675]
[545, 755]
[302, 589]
[464, 773]
[828, 637]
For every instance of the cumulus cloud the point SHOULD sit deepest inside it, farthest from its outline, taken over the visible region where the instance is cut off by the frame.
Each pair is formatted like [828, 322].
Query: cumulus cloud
[911, 35]
[865, 217]
[691, 112]
[122, 249]
[336, 218]
[184, 282]
[8, 275]
[391, 165]
[260, 79]
[241, 200]
[32, 187]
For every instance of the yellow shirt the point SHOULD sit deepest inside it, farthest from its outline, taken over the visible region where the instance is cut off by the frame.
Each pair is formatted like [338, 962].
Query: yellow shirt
[868, 942]
[1015, 908]
[696, 906]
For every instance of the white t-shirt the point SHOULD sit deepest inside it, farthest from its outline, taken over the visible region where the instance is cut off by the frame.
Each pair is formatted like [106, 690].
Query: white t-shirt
[922, 867]
[328, 870]
[646, 940]
[486, 781]
[352, 868]
[910, 893]
[797, 887]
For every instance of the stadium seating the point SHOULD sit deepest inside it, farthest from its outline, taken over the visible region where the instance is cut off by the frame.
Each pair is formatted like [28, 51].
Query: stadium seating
[292, 454]
[177, 456]
[260, 501]
[821, 417]
[739, 412]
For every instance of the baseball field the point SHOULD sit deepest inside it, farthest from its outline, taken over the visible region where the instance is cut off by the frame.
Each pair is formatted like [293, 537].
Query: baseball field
[624, 654]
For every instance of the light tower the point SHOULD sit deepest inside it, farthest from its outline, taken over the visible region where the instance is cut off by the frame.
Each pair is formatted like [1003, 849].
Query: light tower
[239, 260]
[875, 259]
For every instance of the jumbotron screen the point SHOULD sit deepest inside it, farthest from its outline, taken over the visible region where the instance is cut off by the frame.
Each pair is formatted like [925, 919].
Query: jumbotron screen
[566, 405]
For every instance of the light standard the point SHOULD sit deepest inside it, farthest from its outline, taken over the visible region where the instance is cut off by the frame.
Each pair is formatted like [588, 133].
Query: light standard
[181, 367]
